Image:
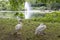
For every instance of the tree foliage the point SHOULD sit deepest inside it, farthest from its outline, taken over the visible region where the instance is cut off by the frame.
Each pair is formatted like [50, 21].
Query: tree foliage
[16, 4]
[4, 5]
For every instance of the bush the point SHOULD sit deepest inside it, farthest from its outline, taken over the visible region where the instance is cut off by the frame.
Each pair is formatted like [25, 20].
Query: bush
[21, 15]
[55, 6]
[48, 17]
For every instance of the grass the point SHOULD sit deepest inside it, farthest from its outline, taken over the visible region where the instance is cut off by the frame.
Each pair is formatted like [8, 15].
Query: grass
[27, 32]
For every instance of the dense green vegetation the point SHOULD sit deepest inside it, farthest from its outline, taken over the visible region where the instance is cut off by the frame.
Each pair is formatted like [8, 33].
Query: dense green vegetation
[43, 1]
[49, 4]
[13, 5]
[27, 33]
[5, 5]
[48, 17]
[17, 5]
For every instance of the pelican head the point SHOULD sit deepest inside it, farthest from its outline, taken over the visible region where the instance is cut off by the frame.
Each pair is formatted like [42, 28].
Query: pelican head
[20, 21]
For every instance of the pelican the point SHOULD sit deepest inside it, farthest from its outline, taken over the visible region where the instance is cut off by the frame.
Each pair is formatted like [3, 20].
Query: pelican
[18, 27]
[40, 29]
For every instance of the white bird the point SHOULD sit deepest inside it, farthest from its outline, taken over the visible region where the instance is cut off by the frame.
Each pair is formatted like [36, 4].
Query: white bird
[40, 29]
[18, 27]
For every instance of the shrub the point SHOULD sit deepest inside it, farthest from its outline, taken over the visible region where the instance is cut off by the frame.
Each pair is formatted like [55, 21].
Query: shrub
[48, 17]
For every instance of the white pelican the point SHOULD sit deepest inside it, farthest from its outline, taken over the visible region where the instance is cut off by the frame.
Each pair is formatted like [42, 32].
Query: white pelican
[40, 29]
[18, 27]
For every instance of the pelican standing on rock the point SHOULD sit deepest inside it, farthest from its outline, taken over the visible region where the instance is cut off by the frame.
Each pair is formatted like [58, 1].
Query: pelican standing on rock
[40, 29]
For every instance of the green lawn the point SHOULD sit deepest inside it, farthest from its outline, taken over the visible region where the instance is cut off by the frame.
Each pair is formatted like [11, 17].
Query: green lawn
[27, 32]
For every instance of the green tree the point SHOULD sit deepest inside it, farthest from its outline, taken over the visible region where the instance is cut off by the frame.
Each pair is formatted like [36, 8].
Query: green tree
[4, 5]
[16, 4]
